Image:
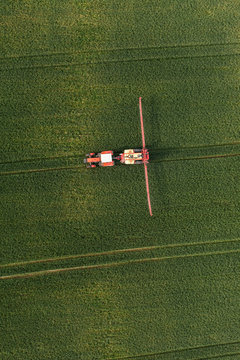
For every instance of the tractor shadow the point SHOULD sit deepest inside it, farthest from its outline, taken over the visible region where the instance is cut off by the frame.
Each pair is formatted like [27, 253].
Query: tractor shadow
[157, 154]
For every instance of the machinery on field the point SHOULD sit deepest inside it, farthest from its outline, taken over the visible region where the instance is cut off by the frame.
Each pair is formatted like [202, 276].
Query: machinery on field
[128, 157]
[106, 158]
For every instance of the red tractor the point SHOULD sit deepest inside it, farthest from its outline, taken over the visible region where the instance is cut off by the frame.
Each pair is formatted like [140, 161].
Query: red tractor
[129, 157]
[106, 158]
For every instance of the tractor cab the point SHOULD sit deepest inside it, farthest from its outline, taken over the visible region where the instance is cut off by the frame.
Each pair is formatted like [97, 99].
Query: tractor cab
[105, 158]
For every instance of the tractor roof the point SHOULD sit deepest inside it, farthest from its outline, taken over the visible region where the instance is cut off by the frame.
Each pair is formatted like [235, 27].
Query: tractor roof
[106, 157]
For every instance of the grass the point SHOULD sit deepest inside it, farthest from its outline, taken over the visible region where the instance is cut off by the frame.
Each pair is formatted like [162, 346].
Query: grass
[160, 288]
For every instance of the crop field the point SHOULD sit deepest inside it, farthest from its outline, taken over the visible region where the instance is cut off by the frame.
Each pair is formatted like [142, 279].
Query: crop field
[85, 272]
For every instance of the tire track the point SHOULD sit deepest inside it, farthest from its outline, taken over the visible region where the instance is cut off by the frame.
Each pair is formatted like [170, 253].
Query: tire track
[154, 153]
[119, 251]
[174, 46]
[19, 172]
[77, 64]
[41, 159]
[204, 157]
[113, 264]
[200, 347]
[203, 146]
[60, 53]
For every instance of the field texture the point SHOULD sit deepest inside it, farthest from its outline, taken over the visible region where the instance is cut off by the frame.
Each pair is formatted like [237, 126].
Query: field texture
[85, 272]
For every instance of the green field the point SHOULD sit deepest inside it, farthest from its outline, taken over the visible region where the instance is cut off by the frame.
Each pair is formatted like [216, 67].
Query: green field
[85, 272]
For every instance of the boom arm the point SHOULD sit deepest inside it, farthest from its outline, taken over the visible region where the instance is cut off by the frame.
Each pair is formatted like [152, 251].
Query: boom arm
[145, 163]
[141, 119]
[147, 188]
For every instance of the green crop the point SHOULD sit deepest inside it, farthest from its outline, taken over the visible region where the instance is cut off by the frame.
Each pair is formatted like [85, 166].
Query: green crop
[156, 307]
[86, 273]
